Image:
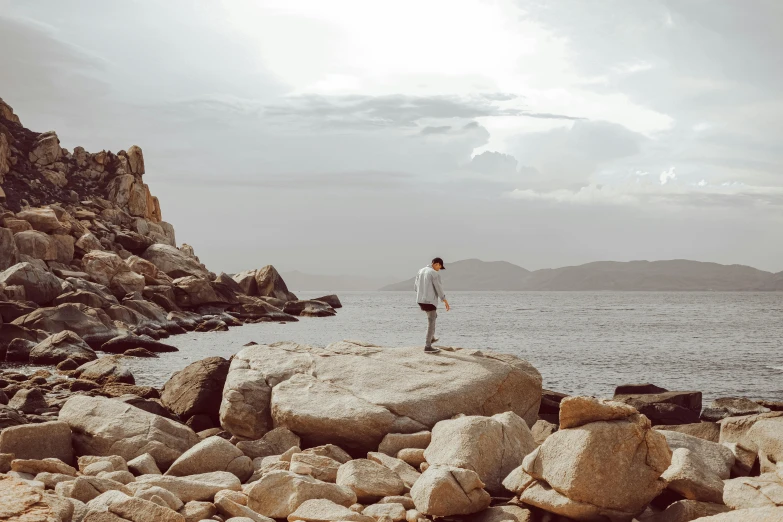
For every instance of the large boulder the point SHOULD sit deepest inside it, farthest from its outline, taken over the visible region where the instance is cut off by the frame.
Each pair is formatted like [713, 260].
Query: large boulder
[212, 454]
[490, 446]
[444, 491]
[342, 394]
[690, 477]
[40, 286]
[247, 282]
[61, 346]
[717, 458]
[761, 434]
[174, 262]
[279, 493]
[197, 389]
[84, 321]
[604, 468]
[108, 269]
[38, 441]
[269, 283]
[192, 291]
[9, 254]
[36, 245]
[152, 276]
[42, 219]
[106, 370]
[110, 427]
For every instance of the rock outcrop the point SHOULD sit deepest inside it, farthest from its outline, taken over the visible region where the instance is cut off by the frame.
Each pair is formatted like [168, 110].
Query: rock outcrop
[342, 394]
[82, 237]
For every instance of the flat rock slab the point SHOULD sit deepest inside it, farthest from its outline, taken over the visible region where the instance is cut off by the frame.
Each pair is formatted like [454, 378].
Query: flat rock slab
[352, 394]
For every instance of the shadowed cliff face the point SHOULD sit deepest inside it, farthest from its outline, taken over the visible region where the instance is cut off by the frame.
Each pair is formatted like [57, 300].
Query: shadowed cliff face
[35, 170]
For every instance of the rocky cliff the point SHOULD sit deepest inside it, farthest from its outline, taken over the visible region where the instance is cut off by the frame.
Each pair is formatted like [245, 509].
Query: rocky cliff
[84, 249]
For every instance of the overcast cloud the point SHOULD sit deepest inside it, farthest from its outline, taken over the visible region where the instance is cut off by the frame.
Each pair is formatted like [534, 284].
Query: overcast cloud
[367, 137]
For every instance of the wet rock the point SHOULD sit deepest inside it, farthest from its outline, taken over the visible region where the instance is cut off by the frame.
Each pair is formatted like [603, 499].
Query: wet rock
[308, 308]
[127, 341]
[679, 407]
[106, 370]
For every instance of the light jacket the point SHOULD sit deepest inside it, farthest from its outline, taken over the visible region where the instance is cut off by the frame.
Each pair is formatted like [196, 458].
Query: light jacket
[428, 286]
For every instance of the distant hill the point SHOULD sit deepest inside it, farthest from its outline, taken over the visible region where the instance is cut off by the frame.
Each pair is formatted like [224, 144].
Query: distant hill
[674, 275]
[300, 282]
[474, 274]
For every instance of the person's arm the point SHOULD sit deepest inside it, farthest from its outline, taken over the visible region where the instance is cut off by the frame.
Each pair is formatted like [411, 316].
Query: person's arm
[439, 290]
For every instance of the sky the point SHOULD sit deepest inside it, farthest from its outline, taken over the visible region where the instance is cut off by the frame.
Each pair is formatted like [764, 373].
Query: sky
[355, 137]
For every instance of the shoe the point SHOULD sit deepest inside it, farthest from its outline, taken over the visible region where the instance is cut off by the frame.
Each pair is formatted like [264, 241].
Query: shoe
[431, 350]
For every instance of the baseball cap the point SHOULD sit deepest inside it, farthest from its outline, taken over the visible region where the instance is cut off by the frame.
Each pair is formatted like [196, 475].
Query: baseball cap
[439, 260]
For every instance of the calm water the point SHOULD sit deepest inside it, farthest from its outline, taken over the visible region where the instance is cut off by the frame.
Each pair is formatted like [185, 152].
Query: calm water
[724, 344]
[582, 342]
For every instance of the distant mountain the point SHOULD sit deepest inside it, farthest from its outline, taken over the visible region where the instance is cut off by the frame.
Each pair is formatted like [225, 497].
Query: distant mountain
[674, 275]
[300, 282]
[474, 274]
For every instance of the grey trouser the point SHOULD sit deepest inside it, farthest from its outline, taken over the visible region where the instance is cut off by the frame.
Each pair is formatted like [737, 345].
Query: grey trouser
[431, 317]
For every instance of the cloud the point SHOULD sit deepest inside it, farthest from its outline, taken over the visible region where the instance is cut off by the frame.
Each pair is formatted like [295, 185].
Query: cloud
[397, 110]
[494, 163]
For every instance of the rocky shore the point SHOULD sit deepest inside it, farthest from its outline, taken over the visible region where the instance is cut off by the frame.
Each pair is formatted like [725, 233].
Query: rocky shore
[88, 265]
[355, 432]
[90, 275]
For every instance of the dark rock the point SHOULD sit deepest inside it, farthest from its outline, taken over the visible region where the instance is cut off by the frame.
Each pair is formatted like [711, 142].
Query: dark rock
[10, 417]
[212, 325]
[94, 288]
[28, 401]
[125, 342]
[83, 297]
[164, 302]
[133, 242]
[186, 320]
[690, 400]
[61, 346]
[67, 365]
[550, 402]
[200, 423]
[772, 405]
[229, 283]
[704, 430]
[78, 318]
[731, 407]
[10, 310]
[269, 283]
[9, 332]
[197, 389]
[19, 350]
[139, 352]
[332, 300]
[148, 405]
[3, 398]
[83, 385]
[40, 285]
[638, 389]
[664, 412]
[106, 370]
[308, 308]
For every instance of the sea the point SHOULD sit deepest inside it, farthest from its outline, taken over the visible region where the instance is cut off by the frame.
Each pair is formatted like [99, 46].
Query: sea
[723, 344]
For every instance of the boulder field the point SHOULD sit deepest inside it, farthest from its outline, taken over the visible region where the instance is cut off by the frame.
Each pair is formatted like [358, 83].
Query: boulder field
[84, 250]
[302, 433]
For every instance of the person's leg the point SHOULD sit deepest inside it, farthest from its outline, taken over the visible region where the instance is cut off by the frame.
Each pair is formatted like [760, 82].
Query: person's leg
[431, 317]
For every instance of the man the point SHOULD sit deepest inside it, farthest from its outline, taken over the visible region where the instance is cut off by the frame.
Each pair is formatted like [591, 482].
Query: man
[428, 291]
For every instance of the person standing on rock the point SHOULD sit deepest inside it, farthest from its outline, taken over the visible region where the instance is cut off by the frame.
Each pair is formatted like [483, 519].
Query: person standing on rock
[428, 291]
